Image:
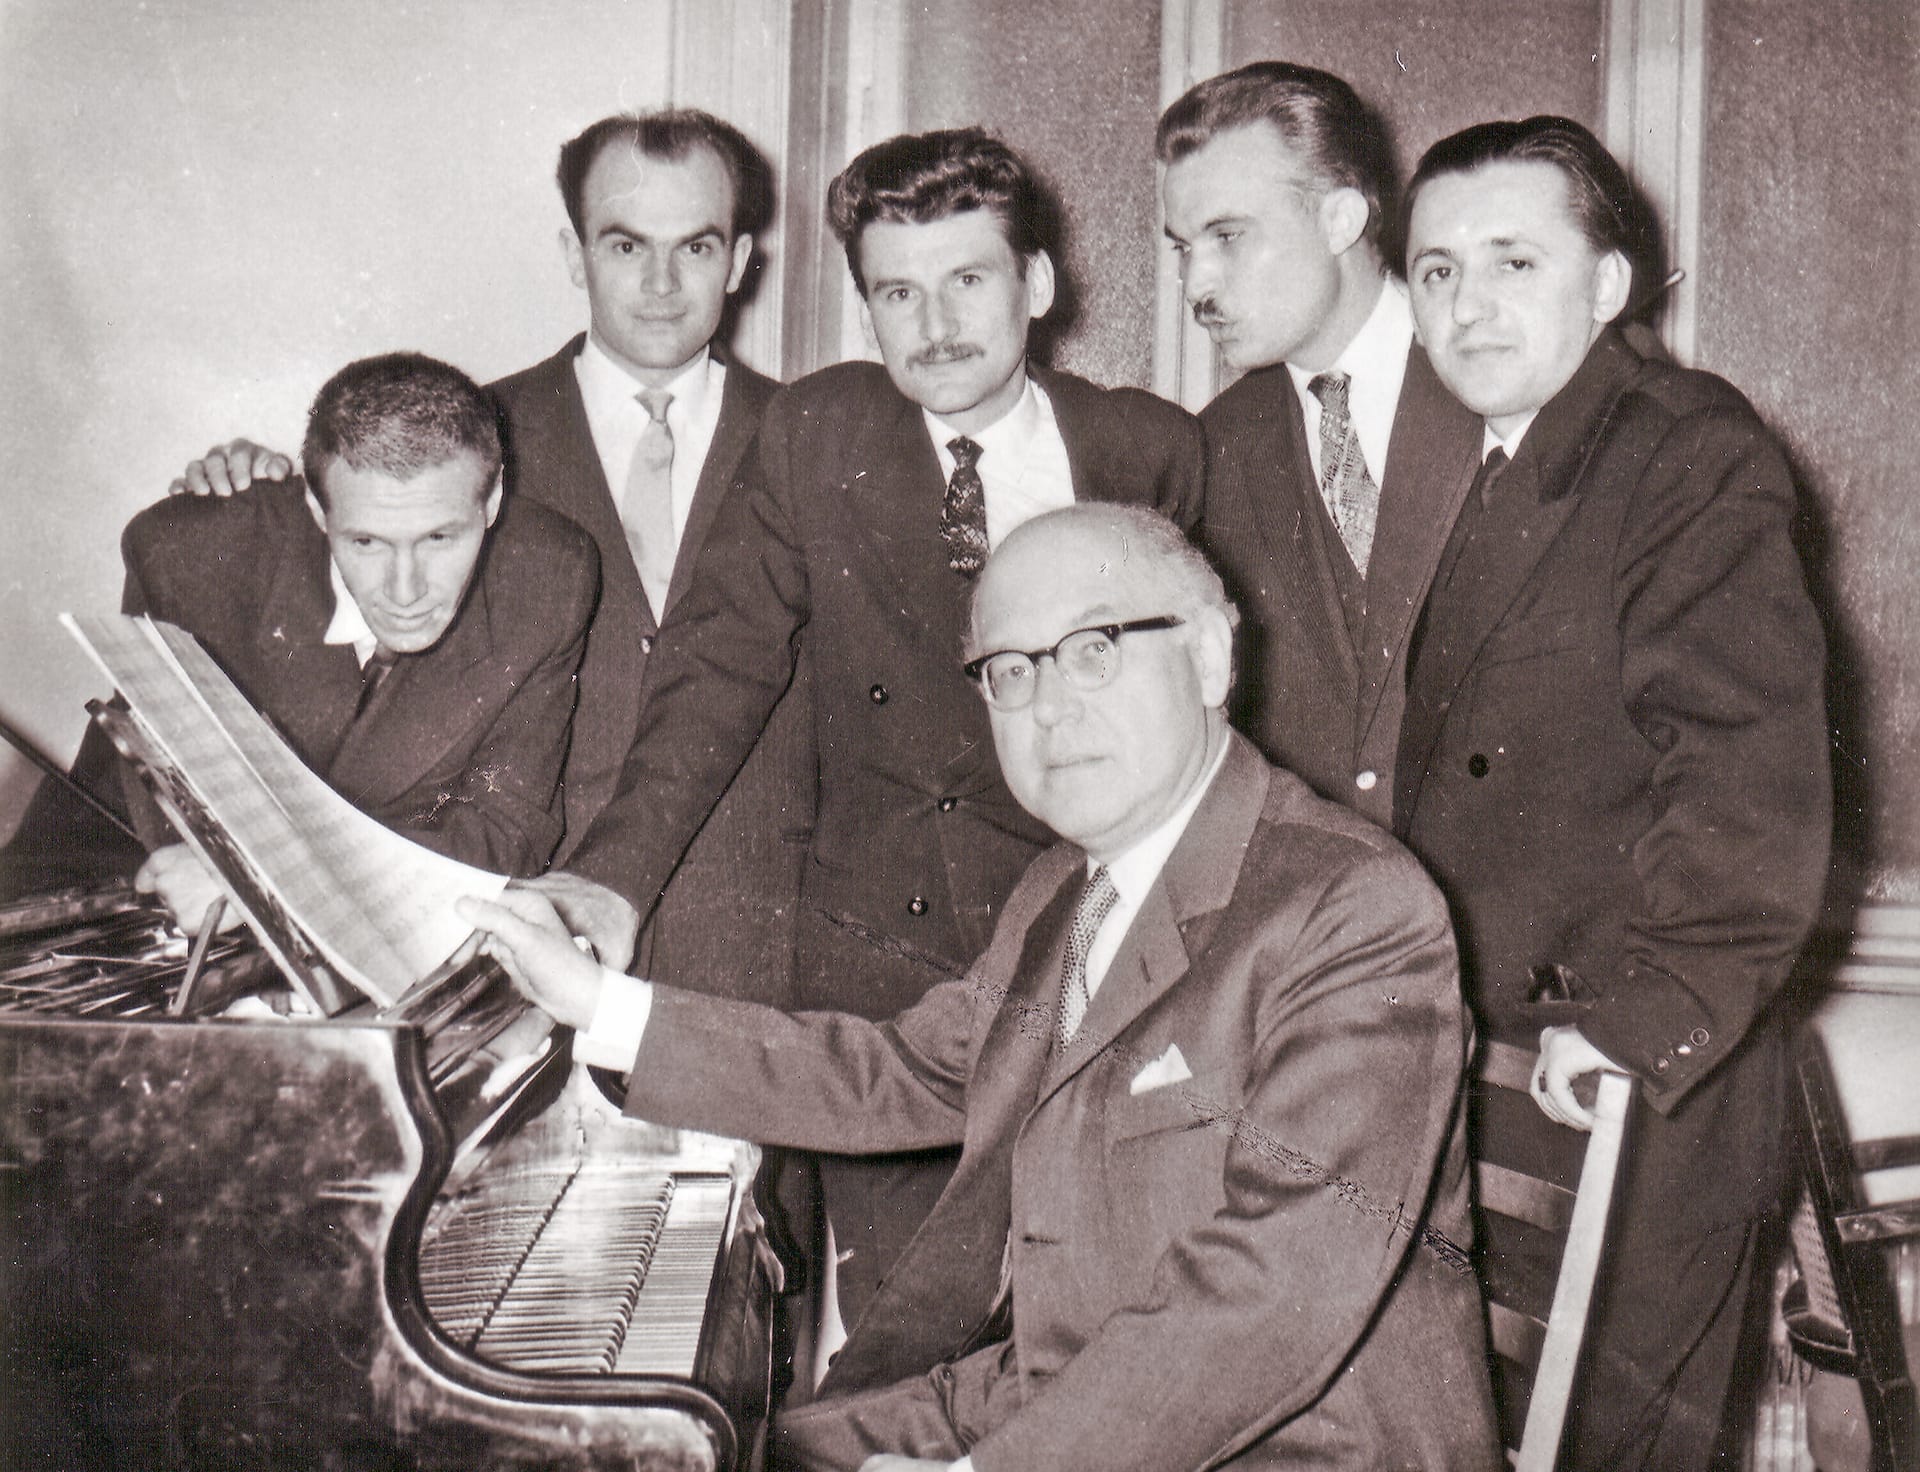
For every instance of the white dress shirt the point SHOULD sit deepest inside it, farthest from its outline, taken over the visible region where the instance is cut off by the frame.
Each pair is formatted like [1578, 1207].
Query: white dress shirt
[1023, 461]
[349, 624]
[1375, 363]
[617, 419]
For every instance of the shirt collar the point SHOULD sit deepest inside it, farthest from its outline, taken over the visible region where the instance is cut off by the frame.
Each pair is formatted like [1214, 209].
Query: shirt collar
[607, 386]
[1378, 350]
[1008, 436]
[1510, 441]
[1135, 871]
[349, 625]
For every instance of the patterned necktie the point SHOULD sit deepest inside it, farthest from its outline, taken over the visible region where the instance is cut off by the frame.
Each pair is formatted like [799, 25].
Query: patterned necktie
[646, 511]
[1349, 490]
[963, 514]
[1095, 905]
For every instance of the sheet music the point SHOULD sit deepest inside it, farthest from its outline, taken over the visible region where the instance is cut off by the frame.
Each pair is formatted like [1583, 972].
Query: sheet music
[377, 905]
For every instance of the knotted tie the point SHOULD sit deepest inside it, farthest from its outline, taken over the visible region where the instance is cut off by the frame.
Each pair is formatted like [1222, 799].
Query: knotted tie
[963, 513]
[1350, 492]
[373, 674]
[1095, 905]
[646, 511]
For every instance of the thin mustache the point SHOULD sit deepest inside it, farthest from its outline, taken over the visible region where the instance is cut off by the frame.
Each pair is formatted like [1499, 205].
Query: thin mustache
[944, 353]
[1207, 312]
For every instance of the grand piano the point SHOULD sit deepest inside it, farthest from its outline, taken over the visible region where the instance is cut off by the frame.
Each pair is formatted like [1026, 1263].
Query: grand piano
[375, 1240]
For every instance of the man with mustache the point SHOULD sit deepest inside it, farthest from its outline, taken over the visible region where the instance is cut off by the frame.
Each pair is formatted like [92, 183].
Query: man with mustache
[1336, 464]
[849, 552]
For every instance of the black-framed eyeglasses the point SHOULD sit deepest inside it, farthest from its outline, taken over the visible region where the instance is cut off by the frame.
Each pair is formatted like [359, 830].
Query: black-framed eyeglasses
[1086, 659]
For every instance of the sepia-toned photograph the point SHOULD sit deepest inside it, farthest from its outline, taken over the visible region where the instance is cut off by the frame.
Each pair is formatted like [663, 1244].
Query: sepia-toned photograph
[867, 735]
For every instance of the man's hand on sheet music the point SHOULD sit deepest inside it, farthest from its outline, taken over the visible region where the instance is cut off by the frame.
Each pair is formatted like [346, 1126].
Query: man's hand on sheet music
[181, 882]
[890, 1463]
[592, 911]
[231, 467]
[526, 935]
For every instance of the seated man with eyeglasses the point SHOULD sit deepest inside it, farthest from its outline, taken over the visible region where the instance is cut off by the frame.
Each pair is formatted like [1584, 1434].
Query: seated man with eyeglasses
[1211, 1206]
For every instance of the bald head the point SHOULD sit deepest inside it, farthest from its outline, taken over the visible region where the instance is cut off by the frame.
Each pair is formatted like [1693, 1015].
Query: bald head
[1103, 739]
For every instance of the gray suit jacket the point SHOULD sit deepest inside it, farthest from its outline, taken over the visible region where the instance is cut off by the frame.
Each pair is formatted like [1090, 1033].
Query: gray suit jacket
[1230, 1268]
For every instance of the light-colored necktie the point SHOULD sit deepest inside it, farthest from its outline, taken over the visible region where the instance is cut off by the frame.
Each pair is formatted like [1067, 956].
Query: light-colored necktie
[1349, 490]
[1095, 905]
[963, 512]
[646, 511]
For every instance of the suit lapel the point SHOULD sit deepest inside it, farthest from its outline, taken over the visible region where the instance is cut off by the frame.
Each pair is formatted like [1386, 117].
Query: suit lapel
[740, 408]
[1431, 459]
[418, 712]
[893, 496]
[1287, 508]
[315, 685]
[1176, 920]
[1499, 550]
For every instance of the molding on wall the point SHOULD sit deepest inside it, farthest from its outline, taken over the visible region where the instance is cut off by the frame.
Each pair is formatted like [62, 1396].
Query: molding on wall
[1656, 113]
[730, 57]
[1192, 48]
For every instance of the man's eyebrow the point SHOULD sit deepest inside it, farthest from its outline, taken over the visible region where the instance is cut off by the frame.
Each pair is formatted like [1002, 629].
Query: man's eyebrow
[608, 232]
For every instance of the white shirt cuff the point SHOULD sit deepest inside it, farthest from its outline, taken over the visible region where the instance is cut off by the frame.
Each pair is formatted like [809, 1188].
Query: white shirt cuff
[619, 1022]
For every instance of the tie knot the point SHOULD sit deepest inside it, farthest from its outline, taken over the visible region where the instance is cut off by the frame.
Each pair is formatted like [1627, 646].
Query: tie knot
[655, 401]
[966, 454]
[1330, 389]
[1097, 903]
[1489, 475]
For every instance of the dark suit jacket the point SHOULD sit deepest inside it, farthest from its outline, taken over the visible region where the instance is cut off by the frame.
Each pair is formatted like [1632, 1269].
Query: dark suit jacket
[726, 918]
[459, 746]
[830, 552]
[1218, 1270]
[1322, 703]
[1615, 758]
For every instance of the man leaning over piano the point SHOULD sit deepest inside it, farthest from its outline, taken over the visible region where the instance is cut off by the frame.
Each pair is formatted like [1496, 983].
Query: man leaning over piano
[416, 655]
[1212, 1199]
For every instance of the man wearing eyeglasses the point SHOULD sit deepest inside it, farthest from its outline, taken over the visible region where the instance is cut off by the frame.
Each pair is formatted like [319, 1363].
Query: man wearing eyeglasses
[1212, 1189]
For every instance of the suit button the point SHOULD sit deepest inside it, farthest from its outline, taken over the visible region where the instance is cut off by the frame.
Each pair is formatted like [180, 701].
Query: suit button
[1699, 1037]
[1684, 1050]
[1477, 765]
[917, 905]
[646, 643]
[947, 804]
[878, 695]
[1367, 781]
[1661, 1065]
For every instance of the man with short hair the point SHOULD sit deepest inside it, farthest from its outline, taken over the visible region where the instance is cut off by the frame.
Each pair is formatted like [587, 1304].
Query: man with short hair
[1614, 757]
[849, 551]
[662, 208]
[420, 663]
[1337, 462]
[1205, 1074]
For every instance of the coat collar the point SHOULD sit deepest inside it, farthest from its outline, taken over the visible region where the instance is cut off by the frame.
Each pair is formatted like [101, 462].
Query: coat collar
[1491, 557]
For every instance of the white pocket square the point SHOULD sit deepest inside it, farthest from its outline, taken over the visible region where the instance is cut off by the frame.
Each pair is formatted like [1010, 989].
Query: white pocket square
[1168, 1068]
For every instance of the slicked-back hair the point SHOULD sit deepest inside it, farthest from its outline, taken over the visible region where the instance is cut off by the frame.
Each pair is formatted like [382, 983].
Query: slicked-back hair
[399, 414]
[1605, 206]
[670, 134]
[1342, 141]
[918, 177]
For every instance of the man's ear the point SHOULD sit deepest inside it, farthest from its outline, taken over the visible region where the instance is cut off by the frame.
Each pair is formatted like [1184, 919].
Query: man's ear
[314, 508]
[742, 253]
[576, 258]
[1040, 284]
[1612, 282]
[1213, 654]
[1343, 218]
[493, 497]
